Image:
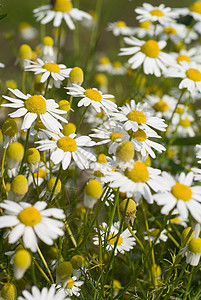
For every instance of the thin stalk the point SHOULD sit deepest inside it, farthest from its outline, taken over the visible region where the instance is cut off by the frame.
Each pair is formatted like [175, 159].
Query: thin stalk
[137, 240]
[81, 119]
[46, 88]
[59, 41]
[189, 283]
[33, 272]
[68, 113]
[2, 169]
[41, 271]
[71, 235]
[25, 151]
[23, 81]
[178, 102]
[36, 185]
[45, 264]
[55, 184]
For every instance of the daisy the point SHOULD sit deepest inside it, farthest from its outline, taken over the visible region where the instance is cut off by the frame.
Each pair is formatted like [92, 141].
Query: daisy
[185, 126]
[59, 10]
[117, 68]
[27, 31]
[137, 179]
[191, 55]
[29, 221]
[160, 14]
[36, 294]
[163, 106]
[198, 148]
[64, 148]
[125, 240]
[33, 107]
[119, 28]
[146, 29]
[191, 74]
[70, 287]
[180, 194]
[104, 65]
[147, 53]
[135, 117]
[172, 31]
[178, 220]
[155, 235]
[47, 46]
[192, 250]
[48, 69]
[94, 97]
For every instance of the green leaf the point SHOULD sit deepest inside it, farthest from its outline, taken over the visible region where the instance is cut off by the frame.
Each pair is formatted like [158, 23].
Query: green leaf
[188, 141]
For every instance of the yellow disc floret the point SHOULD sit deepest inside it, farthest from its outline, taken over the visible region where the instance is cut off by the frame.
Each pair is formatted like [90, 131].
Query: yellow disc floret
[11, 84]
[9, 128]
[64, 270]
[48, 41]
[94, 188]
[70, 284]
[104, 61]
[25, 52]
[125, 151]
[8, 291]
[185, 122]
[36, 104]
[64, 105]
[93, 95]
[51, 67]
[22, 259]
[15, 151]
[51, 183]
[33, 156]
[19, 185]
[145, 24]
[193, 74]
[120, 24]
[77, 261]
[181, 192]
[185, 234]
[157, 13]
[139, 173]
[154, 232]
[29, 216]
[76, 75]
[140, 135]
[195, 245]
[67, 144]
[183, 58]
[68, 128]
[196, 7]
[137, 116]
[63, 5]
[161, 106]
[151, 49]
[117, 64]
[101, 79]
[101, 158]
[170, 30]
[112, 238]
[115, 135]
[41, 173]
[131, 207]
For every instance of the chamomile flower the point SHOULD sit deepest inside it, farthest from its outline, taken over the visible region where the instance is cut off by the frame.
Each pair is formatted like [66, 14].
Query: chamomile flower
[93, 191]
[191, 74]
[9, 131]
[123, 241]
[94, 97]
[27, 31]
[156, 236]
[33, 107]
[119, 28]
[104, 65]
[198, 148]
[36, 294]
[193, 10]
[147, 53]
[137, 179]
[185, 126]
[29, 221]
[58, 11]
[163, 106]
[56, 71]
[47, 46]
[182, 194]
[146, 28]
[178, 220]
[118, 68]
[71, 287]
[64, 148]
[172, 31]
[190, 55]
[134, 116]
[160, 14]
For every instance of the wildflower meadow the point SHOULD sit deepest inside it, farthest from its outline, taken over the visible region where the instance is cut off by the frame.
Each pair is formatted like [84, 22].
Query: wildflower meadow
[100, 190]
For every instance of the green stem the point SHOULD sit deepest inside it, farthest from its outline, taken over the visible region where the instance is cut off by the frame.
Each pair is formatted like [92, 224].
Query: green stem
[36, 186]
[81, 119]
[189, 283]
[68, 113]
[46, 88]
[59, 41]
[71, 235]
[45, 264]
[55, 184]
[25, 150]
[2, 169]
[41, 271]
[138, 241]
[178, 102]
[33, 271]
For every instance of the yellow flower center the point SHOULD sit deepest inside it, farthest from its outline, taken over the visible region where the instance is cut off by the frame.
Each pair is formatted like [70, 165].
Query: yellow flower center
[15, 151]
[125, 151]
[64, 270]
[137, 116]
[22, 259]
[117, 64]
[157, 13]
[25, 52]
[51, 67]
[121, 24]
[181, 192]
[145, 24]
[93, 95]
[196, 7]
[104, 61]
[183, 58]
[180, 110]
[70, 284]
[76, 75]
[98, 174]
[154, 232]
[19, 185]
[41, 173]
[39, 125]
[161, 106]
[67, 144]
[193, 74]
[51, 183]
[8, 291]
[9, 128]
[63, 5]
[150, 49]
[33, 156]
[94, 188]
[139, 173]
[68, 128]
[115, 135]
[131, 207]
[29, 216]
[48, 41]
[140, 135]
[170, 30]
[185, 122]
[101, 158]
[195, 245]
[185, 234]
[36, 104]
[112, 239]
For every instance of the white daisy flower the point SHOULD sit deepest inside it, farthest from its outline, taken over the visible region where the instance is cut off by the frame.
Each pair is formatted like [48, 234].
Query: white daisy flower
[70, 287]
[147, 53]
[160, 14]
[36, 294]
[119, 28]
[125, 240]
[192, 250]
[47, 47]
[163, 106]
[118, 68]
[64, 148]
[61, 9]
[156, 236]
[191, 55]
[180, 194]
[48, 69]
[33, 107]
[193, 10]
[135, 117]
[198, 148]
[191, 74]
[104, 65]
[178, 220]
[2, 65]
[27, 31]
[186, 126]
[172, 31]
[137, 180]
[30, 221]
[146, 29]
[94, 97]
